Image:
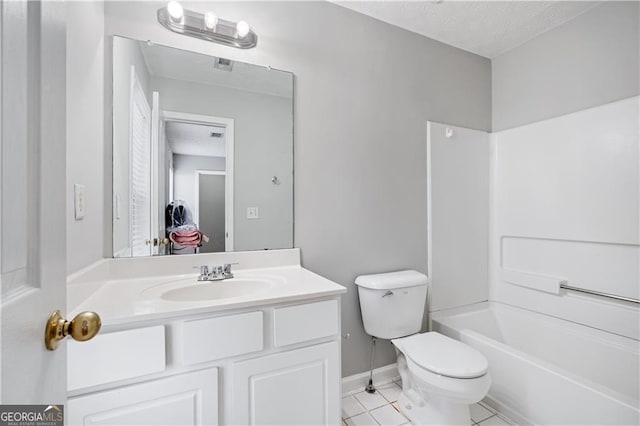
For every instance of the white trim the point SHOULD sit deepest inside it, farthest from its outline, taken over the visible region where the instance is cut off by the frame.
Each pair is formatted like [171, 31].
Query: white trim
[381, 375]
[429, 231]
[155, 171]
[228, 124]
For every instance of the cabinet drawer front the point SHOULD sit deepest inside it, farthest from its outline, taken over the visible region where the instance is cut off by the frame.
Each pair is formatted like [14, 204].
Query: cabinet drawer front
[300, 323]
[185, 399]
[115, 356]
[222, 337]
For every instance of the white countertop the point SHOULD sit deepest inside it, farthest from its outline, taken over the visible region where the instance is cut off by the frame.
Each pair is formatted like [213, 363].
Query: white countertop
[132, 300]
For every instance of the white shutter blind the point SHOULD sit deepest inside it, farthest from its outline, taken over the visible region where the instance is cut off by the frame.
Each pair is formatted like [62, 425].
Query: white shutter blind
[140, 171]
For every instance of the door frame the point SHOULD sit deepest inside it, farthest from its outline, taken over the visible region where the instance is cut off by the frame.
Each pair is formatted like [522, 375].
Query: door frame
[228, 124]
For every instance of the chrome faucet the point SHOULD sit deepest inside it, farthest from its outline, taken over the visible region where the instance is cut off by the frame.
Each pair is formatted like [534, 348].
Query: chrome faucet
[216, 273]
[204, 273]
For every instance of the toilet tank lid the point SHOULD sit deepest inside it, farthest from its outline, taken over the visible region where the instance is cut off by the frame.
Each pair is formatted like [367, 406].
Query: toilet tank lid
[389, 280]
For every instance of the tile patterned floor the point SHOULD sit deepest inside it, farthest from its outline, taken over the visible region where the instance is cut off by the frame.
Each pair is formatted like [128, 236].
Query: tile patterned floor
[360, 408]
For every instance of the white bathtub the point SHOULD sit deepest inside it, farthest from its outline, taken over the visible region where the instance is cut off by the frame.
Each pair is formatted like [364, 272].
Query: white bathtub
[549, 371]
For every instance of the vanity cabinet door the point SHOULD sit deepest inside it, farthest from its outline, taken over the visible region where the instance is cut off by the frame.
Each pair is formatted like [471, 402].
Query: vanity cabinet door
[299, 387]
[185, 399]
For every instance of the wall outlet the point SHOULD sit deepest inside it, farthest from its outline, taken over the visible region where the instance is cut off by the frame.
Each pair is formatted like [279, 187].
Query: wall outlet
[253, 213]
[78, 198]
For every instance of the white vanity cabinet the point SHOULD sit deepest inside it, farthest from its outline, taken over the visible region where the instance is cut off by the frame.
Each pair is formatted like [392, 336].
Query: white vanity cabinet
[183, 399]
[296, 387]
[277, 364]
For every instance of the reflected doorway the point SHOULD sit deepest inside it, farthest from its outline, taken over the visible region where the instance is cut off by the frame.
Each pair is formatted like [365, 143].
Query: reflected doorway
[200, 166]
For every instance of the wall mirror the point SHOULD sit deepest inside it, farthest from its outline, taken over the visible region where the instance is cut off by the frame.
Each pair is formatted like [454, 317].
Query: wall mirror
[202, 153]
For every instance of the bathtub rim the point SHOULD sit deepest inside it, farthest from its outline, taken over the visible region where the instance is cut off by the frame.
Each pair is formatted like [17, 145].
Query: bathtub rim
[618, 340]
[604, 391]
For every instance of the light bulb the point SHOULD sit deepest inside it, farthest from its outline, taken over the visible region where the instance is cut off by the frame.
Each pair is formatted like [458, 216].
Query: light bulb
[175, 10]
[242, 28]
[210, 20]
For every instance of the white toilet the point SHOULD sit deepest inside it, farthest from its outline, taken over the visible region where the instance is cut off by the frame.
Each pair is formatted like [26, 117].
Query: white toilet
[441, 376]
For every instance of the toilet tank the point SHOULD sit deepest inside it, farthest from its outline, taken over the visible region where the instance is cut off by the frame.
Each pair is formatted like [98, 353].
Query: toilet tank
[392, 304]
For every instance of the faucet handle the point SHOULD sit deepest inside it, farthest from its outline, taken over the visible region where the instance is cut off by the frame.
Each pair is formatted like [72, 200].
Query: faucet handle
[204, 273]
[227, 270]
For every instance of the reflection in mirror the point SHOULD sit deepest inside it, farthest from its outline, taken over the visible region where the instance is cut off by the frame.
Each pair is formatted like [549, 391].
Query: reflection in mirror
[202, 153]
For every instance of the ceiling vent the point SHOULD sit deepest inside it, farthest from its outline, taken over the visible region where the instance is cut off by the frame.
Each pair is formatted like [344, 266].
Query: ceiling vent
[223, 64]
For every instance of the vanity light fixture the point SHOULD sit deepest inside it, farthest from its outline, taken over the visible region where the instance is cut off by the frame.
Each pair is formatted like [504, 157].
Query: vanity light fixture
[207, 26]
[175, 11]
[210, 20]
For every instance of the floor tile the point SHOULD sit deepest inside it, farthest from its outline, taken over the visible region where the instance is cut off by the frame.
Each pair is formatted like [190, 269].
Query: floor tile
[488, 407]
[494, 421]
[388, 416]
[370, 400]
[390, 391]
[363, 419]
[351, 407]
[479, 413]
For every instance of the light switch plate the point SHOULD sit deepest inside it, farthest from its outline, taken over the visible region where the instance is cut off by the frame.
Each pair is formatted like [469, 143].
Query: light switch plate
[78, 200]
[253, 213]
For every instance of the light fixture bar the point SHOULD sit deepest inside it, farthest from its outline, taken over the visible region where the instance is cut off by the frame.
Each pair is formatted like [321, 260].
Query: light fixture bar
[193, 24]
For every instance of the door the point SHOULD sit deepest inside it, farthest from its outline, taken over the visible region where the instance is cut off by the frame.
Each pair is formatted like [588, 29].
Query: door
[210, 209]
[299, 387]
[32, 199]
[140, 208]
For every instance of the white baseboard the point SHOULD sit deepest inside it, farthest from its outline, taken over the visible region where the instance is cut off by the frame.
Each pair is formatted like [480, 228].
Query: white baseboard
[380, 375]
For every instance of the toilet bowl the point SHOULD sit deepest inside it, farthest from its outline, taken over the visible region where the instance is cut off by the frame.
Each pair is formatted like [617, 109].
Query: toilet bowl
[441, 376]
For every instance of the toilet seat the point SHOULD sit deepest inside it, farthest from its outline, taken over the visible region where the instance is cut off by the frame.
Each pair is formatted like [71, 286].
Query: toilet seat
[441, 355]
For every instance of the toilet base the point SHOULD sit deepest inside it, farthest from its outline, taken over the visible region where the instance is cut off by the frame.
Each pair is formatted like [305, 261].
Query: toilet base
[436, 411]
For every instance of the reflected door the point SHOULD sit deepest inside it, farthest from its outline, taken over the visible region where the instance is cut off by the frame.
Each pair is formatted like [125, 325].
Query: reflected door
[140, 146]
[211, 210]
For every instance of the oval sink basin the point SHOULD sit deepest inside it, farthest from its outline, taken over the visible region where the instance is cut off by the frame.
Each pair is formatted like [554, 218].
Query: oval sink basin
[212, 290]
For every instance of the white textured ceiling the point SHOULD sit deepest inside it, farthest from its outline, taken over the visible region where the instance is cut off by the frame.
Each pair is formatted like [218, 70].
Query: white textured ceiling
[177, 64]
[195, 139]
[487, 28]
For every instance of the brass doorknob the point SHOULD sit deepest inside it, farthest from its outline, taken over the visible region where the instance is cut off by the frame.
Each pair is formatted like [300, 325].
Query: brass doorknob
[83, 327]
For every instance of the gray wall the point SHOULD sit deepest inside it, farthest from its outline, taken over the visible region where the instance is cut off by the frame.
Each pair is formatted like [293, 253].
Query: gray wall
[262, 148]
[85, 132]
[364, 92]
[459, 216]
[589, 61]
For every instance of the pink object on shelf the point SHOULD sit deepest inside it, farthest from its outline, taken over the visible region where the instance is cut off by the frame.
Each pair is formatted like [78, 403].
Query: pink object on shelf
[188, 237]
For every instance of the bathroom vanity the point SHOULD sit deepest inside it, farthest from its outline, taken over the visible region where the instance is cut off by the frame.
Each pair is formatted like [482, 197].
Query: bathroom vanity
[173, 350]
